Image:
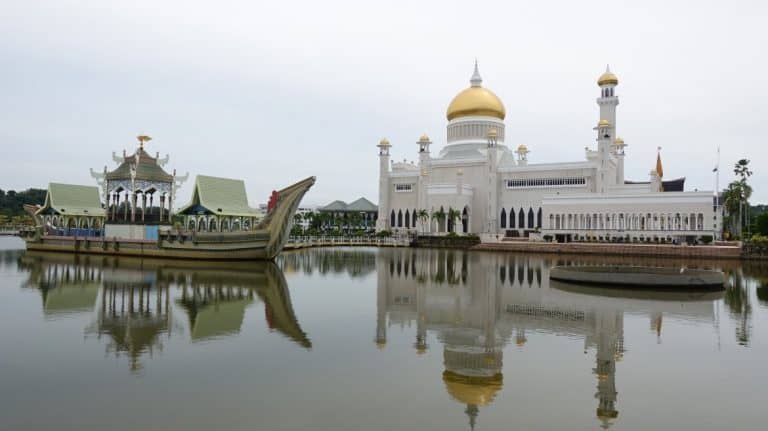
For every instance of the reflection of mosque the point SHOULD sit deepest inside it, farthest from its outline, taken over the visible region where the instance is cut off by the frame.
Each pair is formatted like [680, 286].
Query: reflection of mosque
[135, 308]
[476, 304]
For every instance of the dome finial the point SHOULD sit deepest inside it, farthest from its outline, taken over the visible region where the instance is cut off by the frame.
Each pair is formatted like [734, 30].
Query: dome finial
[476, 80]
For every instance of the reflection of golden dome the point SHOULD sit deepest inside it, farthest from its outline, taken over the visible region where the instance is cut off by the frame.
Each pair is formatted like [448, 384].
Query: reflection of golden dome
[476, 101]
[607, 78]
[478, 391]
[606, 414]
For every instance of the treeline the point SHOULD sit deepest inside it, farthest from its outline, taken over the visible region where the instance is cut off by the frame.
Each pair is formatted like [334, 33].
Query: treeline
[11, 202]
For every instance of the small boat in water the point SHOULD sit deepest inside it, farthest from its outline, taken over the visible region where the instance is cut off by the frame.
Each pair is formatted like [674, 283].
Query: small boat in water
[660, 278]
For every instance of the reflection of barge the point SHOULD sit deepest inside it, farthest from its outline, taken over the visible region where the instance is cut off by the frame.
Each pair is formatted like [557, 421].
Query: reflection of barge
[662, 278]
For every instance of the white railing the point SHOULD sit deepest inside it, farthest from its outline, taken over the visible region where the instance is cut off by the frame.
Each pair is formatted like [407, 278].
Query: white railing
[330, 241]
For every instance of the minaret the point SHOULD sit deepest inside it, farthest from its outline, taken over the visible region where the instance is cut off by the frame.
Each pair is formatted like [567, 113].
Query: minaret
[607, 103]
[493, 186]
[522, 155]
[608, 99]
[383, 221]
[424, 171]
[604, 145]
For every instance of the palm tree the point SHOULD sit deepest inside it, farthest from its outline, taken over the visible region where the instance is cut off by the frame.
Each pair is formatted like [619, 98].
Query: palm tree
[297, 218]
[422, 215]
[439, 216]
[735, 198]
[453, 215]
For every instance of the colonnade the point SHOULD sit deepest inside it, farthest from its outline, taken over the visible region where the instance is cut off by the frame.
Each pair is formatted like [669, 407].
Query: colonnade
[135, 206]
[215, 223]
[627, 221]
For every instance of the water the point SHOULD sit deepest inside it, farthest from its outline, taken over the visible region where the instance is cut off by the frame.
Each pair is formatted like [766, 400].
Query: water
[374, 339]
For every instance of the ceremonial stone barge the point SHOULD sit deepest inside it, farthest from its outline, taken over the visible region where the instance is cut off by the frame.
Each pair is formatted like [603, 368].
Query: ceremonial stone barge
[136, 216]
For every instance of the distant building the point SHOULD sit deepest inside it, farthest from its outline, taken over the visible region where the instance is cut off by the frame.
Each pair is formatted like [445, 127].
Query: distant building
[346, 213]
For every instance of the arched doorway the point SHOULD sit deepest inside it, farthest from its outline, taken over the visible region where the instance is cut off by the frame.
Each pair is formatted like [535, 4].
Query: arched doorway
[465, 220]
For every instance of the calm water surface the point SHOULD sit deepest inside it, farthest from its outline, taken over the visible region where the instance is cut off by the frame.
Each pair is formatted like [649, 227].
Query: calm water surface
[372, 339]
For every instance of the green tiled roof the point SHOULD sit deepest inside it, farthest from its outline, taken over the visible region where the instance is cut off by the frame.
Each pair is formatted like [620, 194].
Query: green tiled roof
[335, 206]
[147, 169]
[72, 199]
[222, 196]
[360, 205]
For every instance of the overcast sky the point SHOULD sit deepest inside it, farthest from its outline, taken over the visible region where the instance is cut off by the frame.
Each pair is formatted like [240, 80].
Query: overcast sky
[273, 92]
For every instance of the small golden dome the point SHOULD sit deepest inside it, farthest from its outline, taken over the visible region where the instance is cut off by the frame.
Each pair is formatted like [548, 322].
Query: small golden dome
[424, 138]
[476, 101]
[619, 140]
[603, 123]
[384, 142]
[478, 391]
[492, 133]
[607, 78]
[522, 148]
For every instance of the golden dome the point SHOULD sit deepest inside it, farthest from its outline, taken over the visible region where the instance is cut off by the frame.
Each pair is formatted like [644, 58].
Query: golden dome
[478, 391]
[492, 133]
[603, 123]
[521, 148]
[424, 138]
[607, 78]
[476, 101]
[384, 142]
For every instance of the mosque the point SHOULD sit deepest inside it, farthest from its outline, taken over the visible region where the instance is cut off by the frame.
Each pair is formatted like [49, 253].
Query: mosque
[478, 184]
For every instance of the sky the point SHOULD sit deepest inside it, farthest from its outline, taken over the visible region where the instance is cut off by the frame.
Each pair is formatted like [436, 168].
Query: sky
[273, 92]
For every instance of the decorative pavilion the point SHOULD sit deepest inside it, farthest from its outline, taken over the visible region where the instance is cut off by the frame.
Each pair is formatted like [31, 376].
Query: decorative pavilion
[219, 205]
[138, 192]
[71, 209]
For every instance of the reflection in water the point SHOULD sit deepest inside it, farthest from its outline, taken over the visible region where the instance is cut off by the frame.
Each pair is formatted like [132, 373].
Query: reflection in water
[476, 304]
[135, 311]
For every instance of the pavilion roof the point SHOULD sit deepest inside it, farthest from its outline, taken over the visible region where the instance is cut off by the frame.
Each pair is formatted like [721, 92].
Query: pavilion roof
[360, 205]
[147, 168]
[73, 199]
[221, 196]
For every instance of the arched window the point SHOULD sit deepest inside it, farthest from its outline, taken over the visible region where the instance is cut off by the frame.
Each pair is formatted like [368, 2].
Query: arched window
[530, 218]
[399, 218]
[413, 218]
[392, 218]
[212, 225]
[503, 218]
[538, 219]
[521, 218]
[465, 220]
[407, 218]
[511, 218]
[191, 225]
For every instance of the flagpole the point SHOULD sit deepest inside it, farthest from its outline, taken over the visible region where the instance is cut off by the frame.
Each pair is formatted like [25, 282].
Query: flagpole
[717, 196]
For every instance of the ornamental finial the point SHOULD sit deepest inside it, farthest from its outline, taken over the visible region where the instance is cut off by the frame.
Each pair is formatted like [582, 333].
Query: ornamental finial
[476, 80]
[143, 139]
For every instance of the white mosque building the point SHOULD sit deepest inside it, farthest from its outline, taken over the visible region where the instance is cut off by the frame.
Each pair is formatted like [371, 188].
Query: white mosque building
[493, 191]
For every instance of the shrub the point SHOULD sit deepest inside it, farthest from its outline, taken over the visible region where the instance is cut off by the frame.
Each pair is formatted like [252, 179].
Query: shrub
[547, 238]
[705, 239]
[384, 234]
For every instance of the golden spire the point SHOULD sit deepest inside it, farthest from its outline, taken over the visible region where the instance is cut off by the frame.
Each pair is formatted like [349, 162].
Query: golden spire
[659, 168]
[143, 139]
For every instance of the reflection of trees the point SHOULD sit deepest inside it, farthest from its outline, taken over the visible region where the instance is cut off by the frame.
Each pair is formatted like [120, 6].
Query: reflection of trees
[738, 302]
[354, 262]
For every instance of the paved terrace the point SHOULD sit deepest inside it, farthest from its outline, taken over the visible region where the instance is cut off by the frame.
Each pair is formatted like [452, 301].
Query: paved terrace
[658, 250]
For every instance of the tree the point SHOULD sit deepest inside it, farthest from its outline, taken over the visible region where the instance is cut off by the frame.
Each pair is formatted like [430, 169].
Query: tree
[439, 216]
[422, 215]
[453, 215]
[762, 224]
